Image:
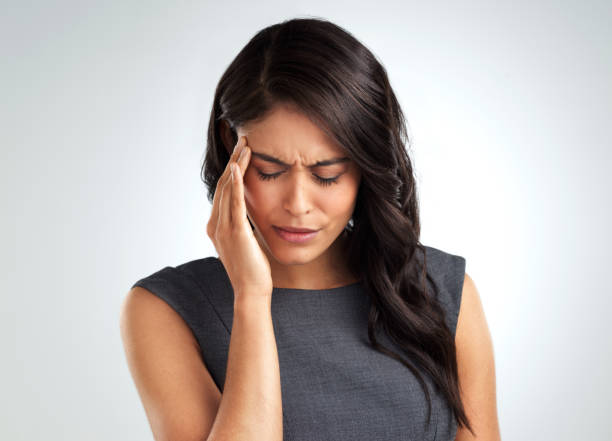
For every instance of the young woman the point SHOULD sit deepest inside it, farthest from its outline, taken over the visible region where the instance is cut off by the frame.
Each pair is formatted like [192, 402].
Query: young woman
[323, 316]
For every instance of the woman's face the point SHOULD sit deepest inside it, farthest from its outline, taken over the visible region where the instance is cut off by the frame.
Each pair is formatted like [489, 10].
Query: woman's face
[283, 186]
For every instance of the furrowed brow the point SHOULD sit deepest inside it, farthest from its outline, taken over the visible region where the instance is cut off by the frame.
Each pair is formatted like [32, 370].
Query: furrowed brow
[323, 163]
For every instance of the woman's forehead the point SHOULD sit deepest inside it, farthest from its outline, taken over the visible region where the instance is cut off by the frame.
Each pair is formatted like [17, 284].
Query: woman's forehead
[287, 134]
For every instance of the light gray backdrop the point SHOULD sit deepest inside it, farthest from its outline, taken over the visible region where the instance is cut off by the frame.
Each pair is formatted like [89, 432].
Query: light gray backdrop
[104, 111]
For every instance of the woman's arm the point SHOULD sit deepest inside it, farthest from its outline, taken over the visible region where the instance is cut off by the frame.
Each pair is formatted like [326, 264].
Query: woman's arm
[179, 395]
[476, 368]
[251, 405]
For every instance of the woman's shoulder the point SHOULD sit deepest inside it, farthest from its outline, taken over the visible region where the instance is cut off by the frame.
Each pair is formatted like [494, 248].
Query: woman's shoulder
[204, 269]
[198, 290]
[439, 258]
[187, 284]
[198, 270]
[443, 267]
[446, 275]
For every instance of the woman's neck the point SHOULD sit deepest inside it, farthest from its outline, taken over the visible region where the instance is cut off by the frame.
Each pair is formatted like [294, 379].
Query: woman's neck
[329, 270]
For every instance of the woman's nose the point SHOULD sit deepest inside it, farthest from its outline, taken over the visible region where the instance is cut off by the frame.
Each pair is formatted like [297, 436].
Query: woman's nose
[296, 199]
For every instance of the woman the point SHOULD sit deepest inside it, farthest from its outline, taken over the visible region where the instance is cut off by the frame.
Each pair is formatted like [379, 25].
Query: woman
[323, 317]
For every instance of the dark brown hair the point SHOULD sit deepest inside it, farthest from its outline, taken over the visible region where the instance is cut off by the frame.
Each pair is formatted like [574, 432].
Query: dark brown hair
[339, 84]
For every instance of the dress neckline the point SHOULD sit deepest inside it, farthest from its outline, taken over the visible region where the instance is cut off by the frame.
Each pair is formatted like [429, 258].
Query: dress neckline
[351, 287]
[345, 288]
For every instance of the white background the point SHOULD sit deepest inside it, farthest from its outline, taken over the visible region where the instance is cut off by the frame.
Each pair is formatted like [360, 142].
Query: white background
[104, 111]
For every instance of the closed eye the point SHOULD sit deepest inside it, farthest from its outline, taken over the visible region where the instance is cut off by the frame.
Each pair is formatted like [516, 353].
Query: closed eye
[320, 180]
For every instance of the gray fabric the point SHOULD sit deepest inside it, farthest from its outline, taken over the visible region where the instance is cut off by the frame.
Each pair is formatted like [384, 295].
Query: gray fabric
[334, 386]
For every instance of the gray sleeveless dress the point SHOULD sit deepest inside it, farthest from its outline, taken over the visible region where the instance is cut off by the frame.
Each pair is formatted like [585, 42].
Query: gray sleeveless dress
[335, 387]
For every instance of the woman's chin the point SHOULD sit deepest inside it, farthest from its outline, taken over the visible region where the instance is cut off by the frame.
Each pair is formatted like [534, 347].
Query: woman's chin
[291, 255]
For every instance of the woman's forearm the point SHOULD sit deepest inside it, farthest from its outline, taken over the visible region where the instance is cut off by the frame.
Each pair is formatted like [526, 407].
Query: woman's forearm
[251, 406]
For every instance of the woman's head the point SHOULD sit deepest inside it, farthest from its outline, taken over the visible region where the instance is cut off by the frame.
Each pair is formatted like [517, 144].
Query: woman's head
[306, 90]
[313, 75]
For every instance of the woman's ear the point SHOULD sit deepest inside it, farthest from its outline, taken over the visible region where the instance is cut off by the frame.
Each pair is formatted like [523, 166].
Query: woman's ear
[227, 136]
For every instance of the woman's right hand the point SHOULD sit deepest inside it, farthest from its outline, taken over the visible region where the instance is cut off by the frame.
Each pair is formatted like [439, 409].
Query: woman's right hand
[246, 264]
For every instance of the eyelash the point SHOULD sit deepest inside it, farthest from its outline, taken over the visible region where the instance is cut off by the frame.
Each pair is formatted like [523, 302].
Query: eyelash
[323, 181]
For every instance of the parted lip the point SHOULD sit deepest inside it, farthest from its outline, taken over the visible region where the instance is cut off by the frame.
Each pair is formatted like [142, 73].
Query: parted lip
[296, 230]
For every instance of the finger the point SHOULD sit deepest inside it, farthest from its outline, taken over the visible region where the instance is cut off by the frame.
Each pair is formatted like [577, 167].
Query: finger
[223, 180]
[238, 207]
[237, 212]
[225, 175]
[224, 218]
[244, 159]
[225, 200]
[235, 154]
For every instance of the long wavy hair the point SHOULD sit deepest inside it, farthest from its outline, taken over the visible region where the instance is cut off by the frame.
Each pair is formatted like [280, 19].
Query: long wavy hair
[341, 86]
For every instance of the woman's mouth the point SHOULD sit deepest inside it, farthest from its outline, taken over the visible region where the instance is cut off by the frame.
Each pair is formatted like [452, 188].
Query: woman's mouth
[296, 235]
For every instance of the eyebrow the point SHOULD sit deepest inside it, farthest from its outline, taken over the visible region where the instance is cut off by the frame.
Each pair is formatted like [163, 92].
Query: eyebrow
[325, 162]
